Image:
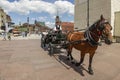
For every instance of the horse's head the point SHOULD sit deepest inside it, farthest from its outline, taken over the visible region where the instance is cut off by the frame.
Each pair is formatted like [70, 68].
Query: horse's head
[104, 29]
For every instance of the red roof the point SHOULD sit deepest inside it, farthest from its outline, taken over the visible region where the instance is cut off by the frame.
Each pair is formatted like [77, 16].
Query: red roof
[67, 24]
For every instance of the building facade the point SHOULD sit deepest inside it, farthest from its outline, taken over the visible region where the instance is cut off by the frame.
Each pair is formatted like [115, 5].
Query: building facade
[67, 26]
[5, 20]
[2, 17]
[107, 8]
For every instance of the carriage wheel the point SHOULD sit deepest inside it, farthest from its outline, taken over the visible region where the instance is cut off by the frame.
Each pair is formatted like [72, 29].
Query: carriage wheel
[42, 44]
[51, 49]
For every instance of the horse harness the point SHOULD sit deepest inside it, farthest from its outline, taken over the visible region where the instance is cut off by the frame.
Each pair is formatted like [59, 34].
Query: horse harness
[99, 29]
[88, 37]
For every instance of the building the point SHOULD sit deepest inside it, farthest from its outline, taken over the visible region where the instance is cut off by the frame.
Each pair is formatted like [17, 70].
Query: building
[117, 26]
[67, 26]
[57, 20]
[8, 18]
[40, 26]
[2, 17]
[108, 8]
[5, 20]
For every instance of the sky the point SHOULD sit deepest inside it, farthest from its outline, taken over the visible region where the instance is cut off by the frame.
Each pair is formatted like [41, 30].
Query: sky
[40, 10]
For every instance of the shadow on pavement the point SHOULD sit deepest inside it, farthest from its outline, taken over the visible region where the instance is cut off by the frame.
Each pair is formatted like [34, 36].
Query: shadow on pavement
[62, 59]
[79, 69]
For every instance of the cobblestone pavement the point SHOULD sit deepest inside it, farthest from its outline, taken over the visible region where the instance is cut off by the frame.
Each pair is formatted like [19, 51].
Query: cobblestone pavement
[26, 60]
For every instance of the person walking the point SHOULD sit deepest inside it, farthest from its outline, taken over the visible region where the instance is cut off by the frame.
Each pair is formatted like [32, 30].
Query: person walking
[9, 35]
[4, 35]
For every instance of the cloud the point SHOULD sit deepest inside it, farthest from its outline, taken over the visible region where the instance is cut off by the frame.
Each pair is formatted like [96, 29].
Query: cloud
[65, 6]
[50, 24]
[24, 7]
[42, 18]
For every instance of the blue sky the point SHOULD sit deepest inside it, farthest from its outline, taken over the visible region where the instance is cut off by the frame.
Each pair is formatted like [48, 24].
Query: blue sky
[40, 10]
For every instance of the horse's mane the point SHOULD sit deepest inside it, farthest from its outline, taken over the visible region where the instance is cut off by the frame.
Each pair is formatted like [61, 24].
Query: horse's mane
[94, 25]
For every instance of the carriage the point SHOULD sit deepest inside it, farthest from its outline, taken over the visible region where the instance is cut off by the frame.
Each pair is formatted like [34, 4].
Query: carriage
[53, 40]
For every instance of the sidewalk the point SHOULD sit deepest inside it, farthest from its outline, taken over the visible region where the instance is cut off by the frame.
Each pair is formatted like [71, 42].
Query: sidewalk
[32, 36]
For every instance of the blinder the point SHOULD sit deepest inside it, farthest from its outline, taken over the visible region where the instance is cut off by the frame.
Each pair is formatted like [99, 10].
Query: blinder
[102, 27]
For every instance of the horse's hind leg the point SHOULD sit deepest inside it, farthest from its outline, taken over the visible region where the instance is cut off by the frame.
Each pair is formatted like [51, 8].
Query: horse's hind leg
[90, 62]
[81, 59]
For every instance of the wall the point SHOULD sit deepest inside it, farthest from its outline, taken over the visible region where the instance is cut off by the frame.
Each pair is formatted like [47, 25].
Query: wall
[80, 14]
[117, 25]
[115, 7]
[96, 8]
[2, 16]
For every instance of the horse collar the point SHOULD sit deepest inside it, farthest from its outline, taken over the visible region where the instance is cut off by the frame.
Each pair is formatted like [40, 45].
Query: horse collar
[90, 39]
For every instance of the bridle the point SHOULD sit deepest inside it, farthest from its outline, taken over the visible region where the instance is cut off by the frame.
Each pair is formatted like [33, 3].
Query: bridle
[99, 28]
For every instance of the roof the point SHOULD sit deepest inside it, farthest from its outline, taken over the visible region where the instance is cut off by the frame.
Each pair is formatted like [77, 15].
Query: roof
[69, 24]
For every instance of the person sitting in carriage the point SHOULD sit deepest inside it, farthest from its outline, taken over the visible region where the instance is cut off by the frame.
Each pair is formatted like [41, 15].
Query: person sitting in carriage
[50, 31]
[58, 32]
[57, 29]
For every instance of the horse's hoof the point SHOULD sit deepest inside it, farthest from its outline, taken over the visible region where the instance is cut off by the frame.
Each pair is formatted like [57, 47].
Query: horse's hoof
[77, 64]
[68, 59]
[91, 72]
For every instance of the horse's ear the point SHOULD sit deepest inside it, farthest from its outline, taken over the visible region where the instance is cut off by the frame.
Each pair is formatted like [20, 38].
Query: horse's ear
[101, 17]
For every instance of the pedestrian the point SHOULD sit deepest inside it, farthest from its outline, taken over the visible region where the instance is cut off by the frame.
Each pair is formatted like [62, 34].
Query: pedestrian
[9, 35]
[4, 35]
[23, 33]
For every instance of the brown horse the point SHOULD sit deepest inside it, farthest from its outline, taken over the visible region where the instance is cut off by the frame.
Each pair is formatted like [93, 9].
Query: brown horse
[88, 41]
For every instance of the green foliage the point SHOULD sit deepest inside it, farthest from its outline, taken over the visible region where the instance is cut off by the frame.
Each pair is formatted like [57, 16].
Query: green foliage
[23, 29]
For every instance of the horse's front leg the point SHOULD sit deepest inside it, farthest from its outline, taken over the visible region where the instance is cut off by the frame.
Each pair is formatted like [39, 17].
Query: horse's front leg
[90, 62]
[69, 51]
[69, 55]
[81, 59]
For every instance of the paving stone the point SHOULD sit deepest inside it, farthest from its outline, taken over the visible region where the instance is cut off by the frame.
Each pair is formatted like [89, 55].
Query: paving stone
[25, 60]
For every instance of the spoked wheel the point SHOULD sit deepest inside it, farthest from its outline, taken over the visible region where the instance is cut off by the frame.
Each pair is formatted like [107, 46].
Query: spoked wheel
[42, 44]
[51, 49]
